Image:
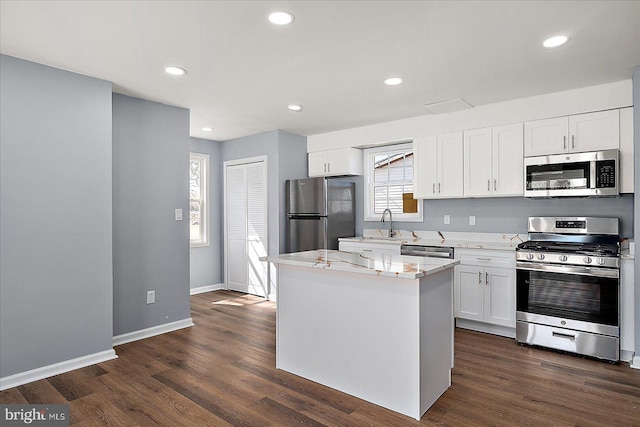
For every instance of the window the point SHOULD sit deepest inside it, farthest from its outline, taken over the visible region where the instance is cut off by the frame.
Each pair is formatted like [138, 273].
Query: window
[198, 215]
[389, 183]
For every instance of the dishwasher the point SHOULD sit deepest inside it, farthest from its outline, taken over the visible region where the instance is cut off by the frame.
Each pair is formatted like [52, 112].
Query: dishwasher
[443, 252]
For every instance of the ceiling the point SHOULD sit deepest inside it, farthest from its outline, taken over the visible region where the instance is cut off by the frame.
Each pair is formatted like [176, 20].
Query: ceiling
[243, 71]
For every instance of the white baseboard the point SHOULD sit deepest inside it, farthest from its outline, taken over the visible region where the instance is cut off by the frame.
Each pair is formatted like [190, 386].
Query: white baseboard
[635, 362]
[152, 332]
[208, 288]
[21, 378]
[626, 356]
[272, 297]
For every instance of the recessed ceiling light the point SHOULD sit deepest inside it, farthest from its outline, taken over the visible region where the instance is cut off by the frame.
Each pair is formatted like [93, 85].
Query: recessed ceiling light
[206, 129]
[176, 71]
[295, 107]
[281, 18]
[393, 81]
[555, 41]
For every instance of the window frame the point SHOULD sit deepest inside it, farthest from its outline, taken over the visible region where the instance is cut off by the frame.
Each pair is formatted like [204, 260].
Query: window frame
[369, 174]
[204, 197]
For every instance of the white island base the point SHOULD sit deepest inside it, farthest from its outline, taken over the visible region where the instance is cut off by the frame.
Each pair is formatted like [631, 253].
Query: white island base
[387, 340]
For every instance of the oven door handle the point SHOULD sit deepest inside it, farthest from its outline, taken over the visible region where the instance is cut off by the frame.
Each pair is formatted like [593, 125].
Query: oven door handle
[613, 273]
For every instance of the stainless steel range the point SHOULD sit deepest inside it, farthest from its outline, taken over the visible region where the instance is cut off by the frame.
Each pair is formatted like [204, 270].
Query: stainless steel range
[568, 286]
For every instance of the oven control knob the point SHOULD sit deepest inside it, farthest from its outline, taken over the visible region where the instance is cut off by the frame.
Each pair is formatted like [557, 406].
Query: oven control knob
[540, 257]
[600, 261]
[587, 260]
[529, 256]
[563, 258]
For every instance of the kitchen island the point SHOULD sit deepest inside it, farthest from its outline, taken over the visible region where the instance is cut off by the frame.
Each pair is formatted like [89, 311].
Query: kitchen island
[378, 327]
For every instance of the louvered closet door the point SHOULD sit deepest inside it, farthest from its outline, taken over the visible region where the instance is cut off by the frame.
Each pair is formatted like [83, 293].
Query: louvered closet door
[256, 228]
[245, 223]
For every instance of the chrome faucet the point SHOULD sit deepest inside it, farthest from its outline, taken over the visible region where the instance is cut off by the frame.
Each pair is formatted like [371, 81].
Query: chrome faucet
[390, 232]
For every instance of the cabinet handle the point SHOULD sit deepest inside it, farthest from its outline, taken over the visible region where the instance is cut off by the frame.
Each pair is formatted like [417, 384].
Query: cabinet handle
[438, 187]
[573, 141]
[488, 185]
[483, 259]
[434, 188]
[564, 142]
[486, 278]
[328, 167]
[479, 278]
[495, 185]
[325, 167]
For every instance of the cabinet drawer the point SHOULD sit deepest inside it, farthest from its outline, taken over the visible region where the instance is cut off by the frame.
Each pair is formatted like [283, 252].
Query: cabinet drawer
[486, 258]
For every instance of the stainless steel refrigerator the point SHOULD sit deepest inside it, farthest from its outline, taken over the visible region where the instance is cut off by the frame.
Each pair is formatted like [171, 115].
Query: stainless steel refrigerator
[319, 210]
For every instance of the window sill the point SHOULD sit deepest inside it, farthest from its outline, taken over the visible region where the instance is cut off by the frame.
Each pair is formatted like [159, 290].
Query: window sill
[417, 218]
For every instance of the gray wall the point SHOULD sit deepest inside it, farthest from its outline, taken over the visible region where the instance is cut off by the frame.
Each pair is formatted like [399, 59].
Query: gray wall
[150, 181]
[292, 164]
[206, 261]
[55, 216]
[636, 151]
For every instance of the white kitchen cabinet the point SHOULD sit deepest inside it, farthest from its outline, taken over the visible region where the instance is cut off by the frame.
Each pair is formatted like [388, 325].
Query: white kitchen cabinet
[370, 247]
[627, 292]
[573, 134]
[507, 166]
[493, 161]
[425, 168]
[438, 171]
[484, 287]
[594, 131]
[343, 161]
[548, 136]
[626, 150]
[478, 174]
[469, 292]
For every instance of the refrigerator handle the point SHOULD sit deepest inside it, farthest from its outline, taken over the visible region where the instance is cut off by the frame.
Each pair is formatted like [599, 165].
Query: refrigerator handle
[306, 216]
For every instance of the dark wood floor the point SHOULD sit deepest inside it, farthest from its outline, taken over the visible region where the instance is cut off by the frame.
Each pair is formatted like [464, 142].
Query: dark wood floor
[222, 372]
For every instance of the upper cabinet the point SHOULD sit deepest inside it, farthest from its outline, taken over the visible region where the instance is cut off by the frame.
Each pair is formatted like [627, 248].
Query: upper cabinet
[626, 150]
[438, 166]
[343, 161]
[573, 134]
[493, 161]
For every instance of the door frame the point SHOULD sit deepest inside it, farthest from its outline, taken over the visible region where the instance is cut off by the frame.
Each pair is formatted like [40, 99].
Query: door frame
[237, 162]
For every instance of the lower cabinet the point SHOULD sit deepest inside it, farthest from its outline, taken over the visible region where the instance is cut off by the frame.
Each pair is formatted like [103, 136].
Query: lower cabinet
[627, 298]
[485, 287]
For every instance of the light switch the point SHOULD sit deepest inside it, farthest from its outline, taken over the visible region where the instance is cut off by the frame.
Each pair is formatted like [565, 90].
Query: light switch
[178, 214]
[472, 220]
[447, 219]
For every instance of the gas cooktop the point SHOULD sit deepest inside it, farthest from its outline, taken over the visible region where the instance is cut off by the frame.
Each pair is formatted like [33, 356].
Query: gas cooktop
[593, 249]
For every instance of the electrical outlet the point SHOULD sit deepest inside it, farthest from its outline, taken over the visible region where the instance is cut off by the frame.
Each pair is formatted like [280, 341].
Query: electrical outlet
[472, 220]
[151, 297]
[447, 219]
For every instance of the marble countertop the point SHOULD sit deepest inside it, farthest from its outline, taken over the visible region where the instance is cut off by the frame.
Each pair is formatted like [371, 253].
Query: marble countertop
[491, 241]
[400, 266]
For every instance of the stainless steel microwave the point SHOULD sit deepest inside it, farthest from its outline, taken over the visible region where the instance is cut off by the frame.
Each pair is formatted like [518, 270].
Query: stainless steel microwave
[589, 174]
